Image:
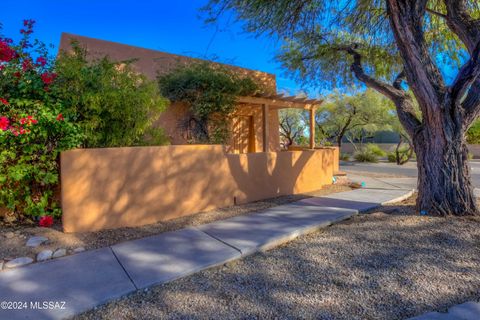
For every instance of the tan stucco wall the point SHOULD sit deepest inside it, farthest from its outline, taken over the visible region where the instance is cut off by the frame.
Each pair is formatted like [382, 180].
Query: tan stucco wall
[152, 62]
[119, 187]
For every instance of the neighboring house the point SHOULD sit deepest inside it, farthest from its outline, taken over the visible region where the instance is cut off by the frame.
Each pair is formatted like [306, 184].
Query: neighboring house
[255, 121]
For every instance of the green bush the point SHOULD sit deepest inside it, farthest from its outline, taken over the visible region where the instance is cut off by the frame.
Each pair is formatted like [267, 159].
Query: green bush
[369, 153]
[33, 128]
[473, 133]
[365, 155]
[211, 91]
[344, 156]
[113, 105]
[375, 149]
[403, 153]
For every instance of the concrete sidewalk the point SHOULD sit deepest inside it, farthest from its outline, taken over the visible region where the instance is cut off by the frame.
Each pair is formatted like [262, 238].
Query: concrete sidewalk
[67, 286]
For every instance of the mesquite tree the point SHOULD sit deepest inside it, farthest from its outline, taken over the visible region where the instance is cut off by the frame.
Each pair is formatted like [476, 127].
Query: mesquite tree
[342, 114]
[391, 46]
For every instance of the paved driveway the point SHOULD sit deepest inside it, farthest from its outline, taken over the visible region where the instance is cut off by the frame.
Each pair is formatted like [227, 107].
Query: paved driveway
[408, 169]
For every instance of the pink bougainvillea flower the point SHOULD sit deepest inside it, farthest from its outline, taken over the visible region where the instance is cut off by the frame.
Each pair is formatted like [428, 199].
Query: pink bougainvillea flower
[46, 221]
[17, 131]
[4, 123]
[60, 117]
[28, 120]
[3, 101]
[48, 78]
[28, 23]
[6, 52]
[26, 65]
[41, 61]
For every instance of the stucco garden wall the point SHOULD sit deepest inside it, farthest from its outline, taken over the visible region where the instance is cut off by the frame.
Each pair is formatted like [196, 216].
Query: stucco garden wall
[121, 187]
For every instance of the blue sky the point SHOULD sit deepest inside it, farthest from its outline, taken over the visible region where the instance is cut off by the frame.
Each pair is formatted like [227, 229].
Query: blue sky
[170, 26]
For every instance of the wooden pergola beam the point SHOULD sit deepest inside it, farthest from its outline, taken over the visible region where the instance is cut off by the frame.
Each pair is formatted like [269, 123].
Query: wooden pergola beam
[265, 128]
[280, 103]
[312, 128]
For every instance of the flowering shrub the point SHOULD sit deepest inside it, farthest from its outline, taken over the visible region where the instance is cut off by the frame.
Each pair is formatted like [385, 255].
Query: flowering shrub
[45, 221]
[33, 129]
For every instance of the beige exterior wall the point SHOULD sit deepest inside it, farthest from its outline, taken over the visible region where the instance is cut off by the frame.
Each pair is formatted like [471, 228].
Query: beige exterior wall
[152, 62]
[121, 187]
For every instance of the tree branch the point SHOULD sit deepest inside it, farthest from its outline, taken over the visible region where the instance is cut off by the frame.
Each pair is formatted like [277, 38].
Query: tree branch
[467, 75]
[423, 75]
[462, 24]
[357, 68]
[404, 106]
[436, 13]
[468, 30]
[397, 83]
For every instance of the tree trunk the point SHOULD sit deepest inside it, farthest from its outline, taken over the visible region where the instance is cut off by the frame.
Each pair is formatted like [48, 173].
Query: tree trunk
[444, 185]
[339, 141]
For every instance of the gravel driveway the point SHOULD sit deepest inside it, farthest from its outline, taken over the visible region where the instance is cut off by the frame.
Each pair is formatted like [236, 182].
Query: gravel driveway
[386, 265]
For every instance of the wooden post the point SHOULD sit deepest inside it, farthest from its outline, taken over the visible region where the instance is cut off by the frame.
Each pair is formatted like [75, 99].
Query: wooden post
[312, 127]
[265, 128]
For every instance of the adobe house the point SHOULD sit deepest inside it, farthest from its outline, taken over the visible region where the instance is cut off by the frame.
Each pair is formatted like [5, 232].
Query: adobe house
[255, 125]
[126, 187]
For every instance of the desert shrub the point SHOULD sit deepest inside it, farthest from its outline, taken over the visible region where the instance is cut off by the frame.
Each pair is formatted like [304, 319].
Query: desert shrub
[34, 128]
[344, 156]
[365, 155]
[473, 133]
[211, 91]
[402, 154]
[375, 149]
[369, 153]
[113, 105]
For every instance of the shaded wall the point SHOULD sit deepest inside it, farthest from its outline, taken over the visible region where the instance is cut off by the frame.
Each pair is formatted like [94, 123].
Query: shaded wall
[118, 187]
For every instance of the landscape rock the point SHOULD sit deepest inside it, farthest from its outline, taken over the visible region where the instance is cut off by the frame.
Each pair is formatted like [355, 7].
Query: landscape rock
[9, 235]
[59, 253]
[18, 262]
[44, 255]
[35, 241]
[78, 250]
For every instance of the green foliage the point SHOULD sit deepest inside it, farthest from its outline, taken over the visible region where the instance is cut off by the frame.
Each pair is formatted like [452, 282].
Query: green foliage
[345, 156]
[211, 91]
[369, 153]
[375, 149]
[403, 155]
[473, 133]
[292, 127]
[313, 33]
[353, 115]
[365, 156]
[113, 105]
[33, 130]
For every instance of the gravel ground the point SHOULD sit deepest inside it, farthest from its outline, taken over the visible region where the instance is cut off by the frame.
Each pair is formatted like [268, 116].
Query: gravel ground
[390, 264]
[14, 246]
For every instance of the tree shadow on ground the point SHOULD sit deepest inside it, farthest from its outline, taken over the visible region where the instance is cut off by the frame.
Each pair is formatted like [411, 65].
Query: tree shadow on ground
[378, 266]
